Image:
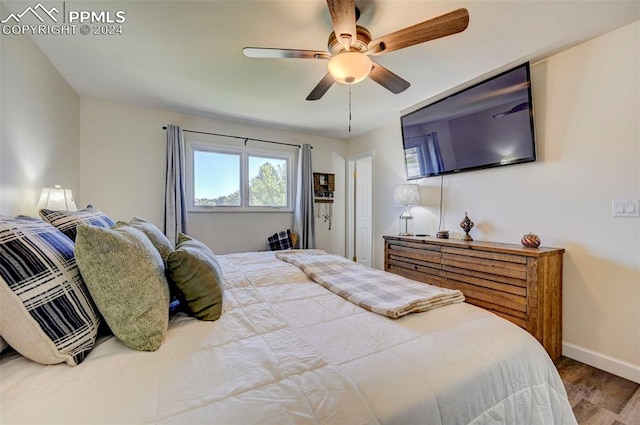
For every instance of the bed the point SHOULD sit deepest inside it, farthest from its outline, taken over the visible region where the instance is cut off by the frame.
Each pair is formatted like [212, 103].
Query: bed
[288, 351]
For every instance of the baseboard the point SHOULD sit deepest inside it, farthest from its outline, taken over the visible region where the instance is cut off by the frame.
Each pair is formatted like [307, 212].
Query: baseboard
[602, 361]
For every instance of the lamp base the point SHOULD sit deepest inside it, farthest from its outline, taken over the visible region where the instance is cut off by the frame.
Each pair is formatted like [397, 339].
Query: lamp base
[406, 219]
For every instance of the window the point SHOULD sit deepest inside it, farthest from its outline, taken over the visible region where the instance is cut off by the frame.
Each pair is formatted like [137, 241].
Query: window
[268, 181]
[216, 179]
[223, 178]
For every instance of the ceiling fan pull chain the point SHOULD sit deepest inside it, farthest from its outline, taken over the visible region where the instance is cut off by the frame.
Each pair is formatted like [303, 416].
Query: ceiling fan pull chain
[349, 108]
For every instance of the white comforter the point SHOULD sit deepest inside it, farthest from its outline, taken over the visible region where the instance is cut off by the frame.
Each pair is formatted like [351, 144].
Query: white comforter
[288, 351]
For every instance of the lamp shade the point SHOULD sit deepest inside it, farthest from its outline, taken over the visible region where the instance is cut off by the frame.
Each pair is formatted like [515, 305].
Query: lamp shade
[406, 194]
[56, 198]
[350, 67]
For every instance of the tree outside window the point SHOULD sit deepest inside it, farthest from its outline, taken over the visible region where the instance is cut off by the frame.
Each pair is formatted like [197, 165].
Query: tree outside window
[269, 187]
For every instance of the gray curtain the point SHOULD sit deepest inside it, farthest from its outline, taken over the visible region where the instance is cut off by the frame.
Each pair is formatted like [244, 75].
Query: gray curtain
[175, 199]
[303, 218]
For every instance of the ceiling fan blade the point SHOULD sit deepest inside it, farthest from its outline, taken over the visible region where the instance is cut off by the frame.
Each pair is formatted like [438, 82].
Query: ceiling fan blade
[388, 79]
[322, 87]
[269, 53]
[343, 16]
[441, 26]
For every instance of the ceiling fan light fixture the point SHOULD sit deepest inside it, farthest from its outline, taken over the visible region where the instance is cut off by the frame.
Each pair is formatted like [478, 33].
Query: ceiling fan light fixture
[350, 67]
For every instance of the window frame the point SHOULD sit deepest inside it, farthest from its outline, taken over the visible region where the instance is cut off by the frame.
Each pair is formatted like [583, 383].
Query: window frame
[244, 152]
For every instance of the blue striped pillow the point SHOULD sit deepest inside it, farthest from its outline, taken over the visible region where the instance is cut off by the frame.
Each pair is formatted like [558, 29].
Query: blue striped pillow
[66, 221]
[46, 312]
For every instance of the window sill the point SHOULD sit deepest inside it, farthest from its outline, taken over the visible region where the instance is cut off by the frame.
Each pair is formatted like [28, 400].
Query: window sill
[236, 210]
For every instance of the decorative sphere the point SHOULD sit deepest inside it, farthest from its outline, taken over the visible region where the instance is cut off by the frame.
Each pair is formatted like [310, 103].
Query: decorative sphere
[530, 241]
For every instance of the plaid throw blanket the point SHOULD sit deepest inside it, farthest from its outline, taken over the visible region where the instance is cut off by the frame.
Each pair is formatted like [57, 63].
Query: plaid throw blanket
[375, 290]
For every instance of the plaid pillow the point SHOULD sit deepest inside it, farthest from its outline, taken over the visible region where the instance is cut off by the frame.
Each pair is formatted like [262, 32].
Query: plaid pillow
[279, 241]
[66, 221]
[46, 313]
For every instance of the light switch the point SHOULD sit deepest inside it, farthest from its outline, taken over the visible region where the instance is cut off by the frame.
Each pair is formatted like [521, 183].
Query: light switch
[625, 208]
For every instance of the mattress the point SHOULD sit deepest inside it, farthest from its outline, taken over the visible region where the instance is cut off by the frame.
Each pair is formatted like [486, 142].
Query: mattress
[288, 351]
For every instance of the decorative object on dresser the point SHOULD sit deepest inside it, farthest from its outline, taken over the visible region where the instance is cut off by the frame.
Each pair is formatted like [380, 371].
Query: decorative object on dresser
[530, 241]
[406, 195]
[442, 234]
[466, 224]
[522, 285]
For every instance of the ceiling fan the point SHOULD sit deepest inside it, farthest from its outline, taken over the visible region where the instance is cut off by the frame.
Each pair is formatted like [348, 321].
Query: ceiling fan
[350, 47]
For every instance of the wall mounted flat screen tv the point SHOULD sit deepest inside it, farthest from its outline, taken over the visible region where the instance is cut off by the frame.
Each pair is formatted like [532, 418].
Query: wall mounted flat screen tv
[489, 124]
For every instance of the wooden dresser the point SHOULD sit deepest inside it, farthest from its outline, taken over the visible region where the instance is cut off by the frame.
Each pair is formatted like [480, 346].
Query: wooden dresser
[523, 285]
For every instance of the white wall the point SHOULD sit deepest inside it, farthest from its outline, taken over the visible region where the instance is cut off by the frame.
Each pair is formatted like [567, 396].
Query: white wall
[587, 106]
[39, 119]
[122, 154]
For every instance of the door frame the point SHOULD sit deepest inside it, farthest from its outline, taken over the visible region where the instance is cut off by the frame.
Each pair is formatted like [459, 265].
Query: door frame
[350, 227]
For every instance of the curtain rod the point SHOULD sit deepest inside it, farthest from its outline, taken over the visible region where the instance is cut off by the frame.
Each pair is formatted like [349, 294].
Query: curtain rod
[241, 138]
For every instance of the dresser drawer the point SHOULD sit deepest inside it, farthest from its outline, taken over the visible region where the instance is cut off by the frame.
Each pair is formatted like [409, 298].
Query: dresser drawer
[494, 297]
[415, 265]
[485, 282]
[430, 278]
[490, 266]
[479, 275]
[426, 253]
[513, 316]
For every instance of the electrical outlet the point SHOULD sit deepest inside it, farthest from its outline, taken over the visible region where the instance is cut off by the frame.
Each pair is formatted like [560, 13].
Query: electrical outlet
[625, 208]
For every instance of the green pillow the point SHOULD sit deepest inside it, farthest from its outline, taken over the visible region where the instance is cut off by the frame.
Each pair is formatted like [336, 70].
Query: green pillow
[126, 278]
[194, 270]
[164, 247]
[155, 235]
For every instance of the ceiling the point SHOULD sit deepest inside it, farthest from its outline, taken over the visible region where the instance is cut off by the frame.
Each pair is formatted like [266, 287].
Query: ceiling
[187, 56]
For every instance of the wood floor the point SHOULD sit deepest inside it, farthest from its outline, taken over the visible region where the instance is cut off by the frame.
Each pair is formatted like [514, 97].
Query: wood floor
[598, 397]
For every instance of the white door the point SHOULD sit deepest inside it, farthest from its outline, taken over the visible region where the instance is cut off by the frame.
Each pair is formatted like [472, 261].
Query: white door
[360, 217]
[363, 212]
